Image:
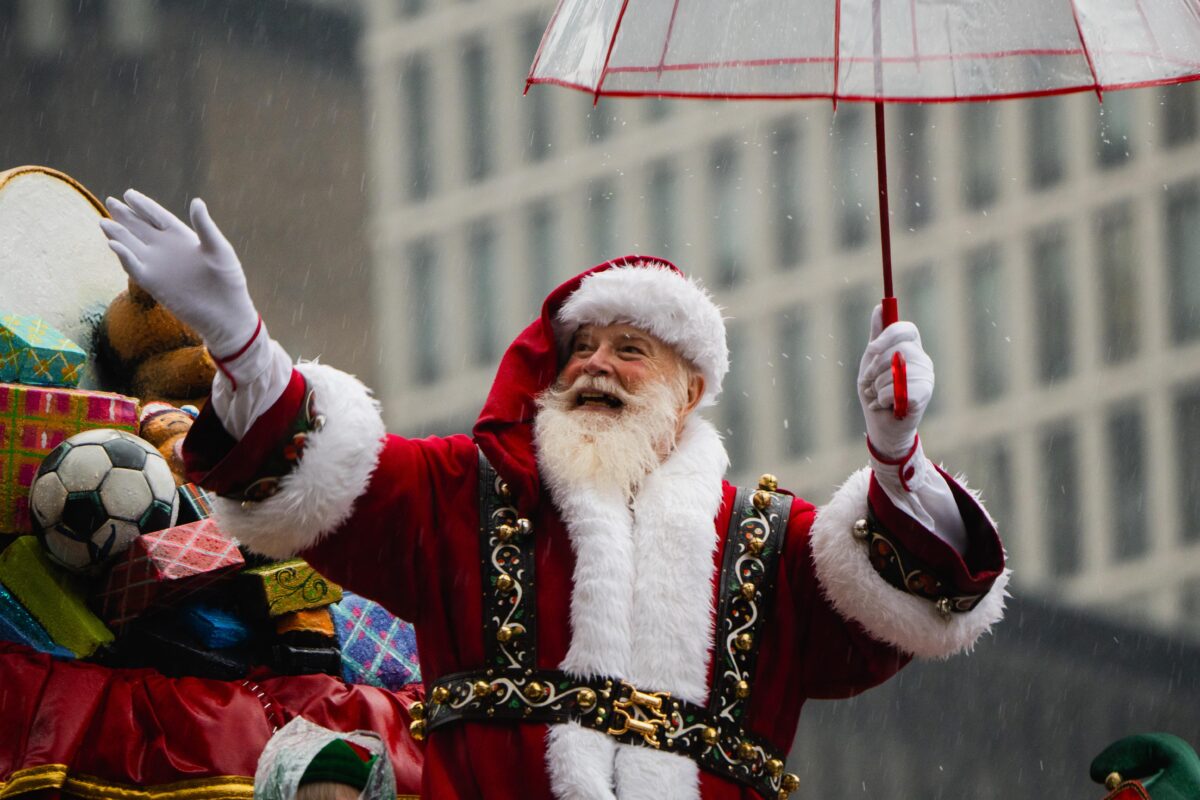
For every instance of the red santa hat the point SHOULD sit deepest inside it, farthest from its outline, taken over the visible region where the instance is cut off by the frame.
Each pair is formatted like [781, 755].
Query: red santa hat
[652, 294]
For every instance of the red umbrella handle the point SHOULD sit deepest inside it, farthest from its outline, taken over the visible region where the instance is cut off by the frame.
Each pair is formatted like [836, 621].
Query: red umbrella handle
[891, 311]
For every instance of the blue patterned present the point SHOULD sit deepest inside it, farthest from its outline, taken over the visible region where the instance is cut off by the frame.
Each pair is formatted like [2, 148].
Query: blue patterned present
[17, 625]
[378, 649]
[32, 352]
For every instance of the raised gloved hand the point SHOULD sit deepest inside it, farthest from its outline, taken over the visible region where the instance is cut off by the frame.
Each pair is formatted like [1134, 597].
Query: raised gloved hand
[193, 271]
[891, 439]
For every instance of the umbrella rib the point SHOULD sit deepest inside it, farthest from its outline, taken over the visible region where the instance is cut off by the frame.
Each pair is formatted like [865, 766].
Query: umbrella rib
[608, 55]
[837, 48]
[1086, 53]
[537, 57]
[662, 58]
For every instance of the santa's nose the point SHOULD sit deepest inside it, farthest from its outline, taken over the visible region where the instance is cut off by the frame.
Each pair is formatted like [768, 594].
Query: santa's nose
[598, 363]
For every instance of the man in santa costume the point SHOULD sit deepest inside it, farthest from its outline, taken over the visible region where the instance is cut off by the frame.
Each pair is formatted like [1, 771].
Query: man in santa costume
[598, 613]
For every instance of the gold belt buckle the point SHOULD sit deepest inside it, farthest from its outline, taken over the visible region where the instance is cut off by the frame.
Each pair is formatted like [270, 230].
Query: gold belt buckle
[641, 713]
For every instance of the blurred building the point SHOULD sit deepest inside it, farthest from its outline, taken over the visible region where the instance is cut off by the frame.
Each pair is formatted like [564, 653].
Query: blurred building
[1049, 250]
[257, 107]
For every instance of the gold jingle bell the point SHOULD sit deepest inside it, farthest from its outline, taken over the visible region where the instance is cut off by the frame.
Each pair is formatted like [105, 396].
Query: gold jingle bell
[417, 729]
[440, 694]
[790, 782]
[761, 500]
[742, 690]
[768, 482]
[505, 582]
[536, 691]
[417, 710]
[509, 632]
[755, 545]
[745, 751]
[481, 688]
[774, 767]
[743, 642]
[749, 590]
[586, 698]
[505, 491]
[709, 736]
[1112, 781]
[944, 608]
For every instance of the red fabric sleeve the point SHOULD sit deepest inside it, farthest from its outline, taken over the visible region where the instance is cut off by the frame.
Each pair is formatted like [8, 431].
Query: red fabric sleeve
[970, 573]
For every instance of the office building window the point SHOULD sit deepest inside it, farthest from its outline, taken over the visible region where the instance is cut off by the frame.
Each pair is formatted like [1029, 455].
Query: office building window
[1120, 285]
[915, 201]
[537, 101]
[1180, 113]
[424, 312]
[1114, 129]
[1127, 465]
[1061, 498]
[726, 181]
[1183, 260]
[981, 154]
[1187, 464]
[664, 211]
[482, 269]
[476, 78]
[795, 377]
[735, 404]
[543, 252]
[855, 322]
[417, 113]
[986, 318]
[1047, 155]
[787, 186]
[602, 220]
[922, 303]
[1052, 296]
[854, 160]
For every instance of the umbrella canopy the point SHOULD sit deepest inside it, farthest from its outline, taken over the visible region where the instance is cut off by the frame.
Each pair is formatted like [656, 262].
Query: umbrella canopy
[890, 50]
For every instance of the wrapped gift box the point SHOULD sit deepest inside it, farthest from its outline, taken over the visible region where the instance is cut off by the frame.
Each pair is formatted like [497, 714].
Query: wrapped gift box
[53, 596]
[34, 421]
[34, 353]
[163, 567]
[166, 645]
[215, 628]
[195, 504]
[285, 586]
[287, 659]
[18, 625]
[378, 648]
[312, 627]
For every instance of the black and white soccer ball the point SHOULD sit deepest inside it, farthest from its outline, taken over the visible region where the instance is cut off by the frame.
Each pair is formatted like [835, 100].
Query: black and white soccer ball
[98, 491]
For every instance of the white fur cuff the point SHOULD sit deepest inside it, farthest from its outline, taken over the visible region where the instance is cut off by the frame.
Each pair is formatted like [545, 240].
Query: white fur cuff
[319, 494]
[909, 623]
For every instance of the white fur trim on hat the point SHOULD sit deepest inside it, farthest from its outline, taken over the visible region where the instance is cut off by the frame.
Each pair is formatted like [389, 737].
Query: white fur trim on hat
[663, 302]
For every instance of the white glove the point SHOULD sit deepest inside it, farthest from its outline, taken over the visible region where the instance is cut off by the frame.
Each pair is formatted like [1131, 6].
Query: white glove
[897, 459]
[890, 437]
[193, 271]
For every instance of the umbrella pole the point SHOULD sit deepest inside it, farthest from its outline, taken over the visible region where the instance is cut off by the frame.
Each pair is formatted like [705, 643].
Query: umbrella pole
[891, 311]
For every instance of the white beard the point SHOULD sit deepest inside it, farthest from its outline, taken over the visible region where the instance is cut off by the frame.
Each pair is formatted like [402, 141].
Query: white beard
[614, 451]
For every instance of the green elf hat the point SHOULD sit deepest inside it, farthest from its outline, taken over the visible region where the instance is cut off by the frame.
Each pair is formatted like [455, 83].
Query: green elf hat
[1162, 766]
[337, 762]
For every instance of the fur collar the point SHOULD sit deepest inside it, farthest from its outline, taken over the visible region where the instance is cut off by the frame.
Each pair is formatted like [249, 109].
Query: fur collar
[641, 608]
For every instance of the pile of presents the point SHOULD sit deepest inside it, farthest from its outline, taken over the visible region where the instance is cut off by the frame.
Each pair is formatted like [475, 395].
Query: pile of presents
[178, 596]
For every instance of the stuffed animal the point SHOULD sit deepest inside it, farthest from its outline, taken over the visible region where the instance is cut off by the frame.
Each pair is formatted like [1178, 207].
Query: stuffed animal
[164, 426]
[153, 355]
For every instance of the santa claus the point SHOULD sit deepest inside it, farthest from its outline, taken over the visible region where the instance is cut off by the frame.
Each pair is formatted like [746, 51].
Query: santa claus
[599, 613]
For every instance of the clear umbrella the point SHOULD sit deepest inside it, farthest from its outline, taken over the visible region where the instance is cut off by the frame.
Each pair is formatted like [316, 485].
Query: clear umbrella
[867, 50]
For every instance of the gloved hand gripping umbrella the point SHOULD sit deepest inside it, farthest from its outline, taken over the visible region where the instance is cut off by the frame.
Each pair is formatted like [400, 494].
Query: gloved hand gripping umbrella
[868, 51]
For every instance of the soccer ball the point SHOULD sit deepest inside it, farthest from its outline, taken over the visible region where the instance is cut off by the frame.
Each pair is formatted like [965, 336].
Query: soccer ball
[98, 491]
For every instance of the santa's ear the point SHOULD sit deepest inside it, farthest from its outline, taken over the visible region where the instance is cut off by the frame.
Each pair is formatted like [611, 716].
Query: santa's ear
[695, 390]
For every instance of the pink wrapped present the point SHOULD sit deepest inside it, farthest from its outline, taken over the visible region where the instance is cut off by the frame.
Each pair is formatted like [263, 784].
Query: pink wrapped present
[161, 568]
[36, 419]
